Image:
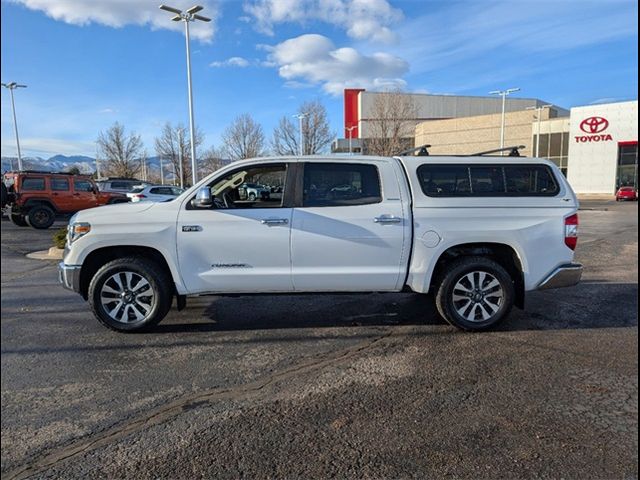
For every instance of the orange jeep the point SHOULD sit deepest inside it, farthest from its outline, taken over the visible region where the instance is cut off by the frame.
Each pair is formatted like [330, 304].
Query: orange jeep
[35, 198]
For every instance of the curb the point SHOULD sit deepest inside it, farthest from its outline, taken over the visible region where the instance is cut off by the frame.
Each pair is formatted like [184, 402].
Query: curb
[54, 253]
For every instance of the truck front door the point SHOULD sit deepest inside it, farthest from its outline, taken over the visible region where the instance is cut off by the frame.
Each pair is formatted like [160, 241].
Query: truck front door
[352, 229]
[239, 244]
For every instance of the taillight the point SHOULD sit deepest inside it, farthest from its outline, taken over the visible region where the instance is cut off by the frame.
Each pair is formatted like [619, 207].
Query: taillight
[139, 195]
[571, 231]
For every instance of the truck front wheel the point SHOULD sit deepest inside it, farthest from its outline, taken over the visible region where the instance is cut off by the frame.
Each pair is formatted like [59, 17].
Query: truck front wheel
[129, 294]
[475, 293]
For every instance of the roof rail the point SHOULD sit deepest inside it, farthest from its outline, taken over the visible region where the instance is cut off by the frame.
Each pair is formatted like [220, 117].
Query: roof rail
[422, 151]
[45, 172]
[513, 151]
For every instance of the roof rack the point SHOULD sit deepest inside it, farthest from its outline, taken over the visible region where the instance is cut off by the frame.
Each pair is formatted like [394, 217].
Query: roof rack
[45, 172]
[422, 151]
[513, 151]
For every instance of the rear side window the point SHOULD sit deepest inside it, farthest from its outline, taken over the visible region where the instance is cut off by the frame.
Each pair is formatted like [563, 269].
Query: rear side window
[484, 180]
[59, 184]
[33, 183]
[161, 191]
[340, 184]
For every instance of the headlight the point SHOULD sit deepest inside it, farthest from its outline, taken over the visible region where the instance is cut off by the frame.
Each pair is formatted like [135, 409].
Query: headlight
[77, 230]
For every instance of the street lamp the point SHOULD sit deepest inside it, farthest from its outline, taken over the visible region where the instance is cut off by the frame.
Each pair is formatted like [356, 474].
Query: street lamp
[538, 115]
[350, 130]
[12, 86]
[189, 15]
[300, 116]
[503, 94]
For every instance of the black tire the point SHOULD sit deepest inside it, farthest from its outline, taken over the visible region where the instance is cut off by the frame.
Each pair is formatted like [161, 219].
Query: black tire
[480, 301]
[160, 284]
[252, 197]
[40, 217]
[18, 220]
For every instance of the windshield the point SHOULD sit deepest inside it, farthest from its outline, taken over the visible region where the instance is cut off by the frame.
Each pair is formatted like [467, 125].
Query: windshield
[137, 190]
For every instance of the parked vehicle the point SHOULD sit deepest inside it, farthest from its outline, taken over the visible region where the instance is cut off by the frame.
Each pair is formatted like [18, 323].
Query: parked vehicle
[154, 193]
[477, 232]
[253, 191]
[119, 185]
[35, 198]
[627, 193]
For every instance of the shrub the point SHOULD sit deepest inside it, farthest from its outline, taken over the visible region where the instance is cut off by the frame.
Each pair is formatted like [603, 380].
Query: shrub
[60, 238]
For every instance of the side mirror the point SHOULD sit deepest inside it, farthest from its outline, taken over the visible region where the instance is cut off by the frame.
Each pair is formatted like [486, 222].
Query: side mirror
[203, 198]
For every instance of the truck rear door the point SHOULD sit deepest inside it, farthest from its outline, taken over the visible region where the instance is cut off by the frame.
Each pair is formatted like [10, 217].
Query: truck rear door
[350, 227]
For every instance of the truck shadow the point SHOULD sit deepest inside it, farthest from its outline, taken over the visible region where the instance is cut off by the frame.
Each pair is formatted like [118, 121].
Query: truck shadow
[591, 304]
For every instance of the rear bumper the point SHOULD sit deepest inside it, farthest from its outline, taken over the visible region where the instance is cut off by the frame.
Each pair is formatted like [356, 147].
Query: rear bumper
[563, 276]
[69, 276]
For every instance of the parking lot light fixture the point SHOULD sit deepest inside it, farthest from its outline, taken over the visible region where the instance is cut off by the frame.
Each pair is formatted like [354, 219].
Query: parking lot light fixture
[503, 94]
[300, 117]
[189, 15]
[11, 87]
[350, 130]
[538, 110]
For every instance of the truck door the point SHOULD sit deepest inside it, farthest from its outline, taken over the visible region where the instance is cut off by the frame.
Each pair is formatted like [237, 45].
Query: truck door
[348, 233]
[239, 244]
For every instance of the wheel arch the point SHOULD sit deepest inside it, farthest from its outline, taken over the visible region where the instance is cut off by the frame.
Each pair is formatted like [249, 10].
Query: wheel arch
[504, 254]
[100, 256]
[34, 202]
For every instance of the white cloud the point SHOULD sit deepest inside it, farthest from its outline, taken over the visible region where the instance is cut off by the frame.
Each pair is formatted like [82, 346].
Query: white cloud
[118, 13]
[313, 59]
[231, 62]
[361, 19]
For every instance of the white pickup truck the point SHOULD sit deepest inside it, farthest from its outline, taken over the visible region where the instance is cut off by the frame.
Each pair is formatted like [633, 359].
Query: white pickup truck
[477, 232]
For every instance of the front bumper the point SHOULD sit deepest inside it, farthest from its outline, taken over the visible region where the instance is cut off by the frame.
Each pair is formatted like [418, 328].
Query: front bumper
[69, 276]
[563, 276]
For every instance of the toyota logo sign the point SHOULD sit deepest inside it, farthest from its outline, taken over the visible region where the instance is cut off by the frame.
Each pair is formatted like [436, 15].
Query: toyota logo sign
[593, 125]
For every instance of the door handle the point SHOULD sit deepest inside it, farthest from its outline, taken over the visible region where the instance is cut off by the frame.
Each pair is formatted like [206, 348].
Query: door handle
[387, 219]
[274, 221]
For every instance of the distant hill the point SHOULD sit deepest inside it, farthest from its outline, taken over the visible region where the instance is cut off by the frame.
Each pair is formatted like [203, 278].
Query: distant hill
[62, 163]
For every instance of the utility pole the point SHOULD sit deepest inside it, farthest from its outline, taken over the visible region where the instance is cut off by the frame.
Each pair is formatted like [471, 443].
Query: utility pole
[503, 94]
[300, 117]
[189, 15]
[161, 171]
[12, 86]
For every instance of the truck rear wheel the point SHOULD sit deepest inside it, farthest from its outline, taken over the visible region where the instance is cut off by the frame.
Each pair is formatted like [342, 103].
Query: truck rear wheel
[475, 293]
[130, 294]
[40, 217]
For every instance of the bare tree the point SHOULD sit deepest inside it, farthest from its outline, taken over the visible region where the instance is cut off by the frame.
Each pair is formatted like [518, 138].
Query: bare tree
[120, 152]
[393, 120]
[244, 138]
[210, 161]
[174, 145]
[315, 128]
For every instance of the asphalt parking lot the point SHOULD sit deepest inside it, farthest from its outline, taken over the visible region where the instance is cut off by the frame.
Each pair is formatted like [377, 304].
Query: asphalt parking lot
[372, 386]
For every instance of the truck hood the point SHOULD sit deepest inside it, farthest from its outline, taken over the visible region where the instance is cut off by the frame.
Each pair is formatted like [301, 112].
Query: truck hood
[120, 212]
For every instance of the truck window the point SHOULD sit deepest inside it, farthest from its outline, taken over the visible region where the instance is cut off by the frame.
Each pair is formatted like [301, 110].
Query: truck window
[33, 183]
[486, 180]
[340, 185]
[246, 188]
[59, 184]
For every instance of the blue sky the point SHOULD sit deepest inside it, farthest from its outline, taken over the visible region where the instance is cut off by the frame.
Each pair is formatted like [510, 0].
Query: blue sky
[88, 63]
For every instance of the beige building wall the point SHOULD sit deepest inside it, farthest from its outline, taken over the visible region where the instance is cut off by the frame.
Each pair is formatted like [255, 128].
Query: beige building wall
[463, 136]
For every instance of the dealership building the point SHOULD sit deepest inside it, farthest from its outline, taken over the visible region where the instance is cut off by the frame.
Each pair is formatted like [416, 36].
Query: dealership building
[595, 146]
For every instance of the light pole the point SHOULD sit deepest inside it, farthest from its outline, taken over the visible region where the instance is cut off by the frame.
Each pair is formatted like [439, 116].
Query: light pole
[503, 94]
[12, 86]
[189, 15]
[350, 130]
[538, 115]
[161, 171]
[301, 116]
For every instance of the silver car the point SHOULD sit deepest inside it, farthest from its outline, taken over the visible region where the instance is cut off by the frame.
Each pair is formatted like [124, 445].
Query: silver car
[154, 193]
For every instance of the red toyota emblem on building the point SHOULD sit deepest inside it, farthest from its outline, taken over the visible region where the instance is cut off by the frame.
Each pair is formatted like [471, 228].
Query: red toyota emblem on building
[594, 125]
